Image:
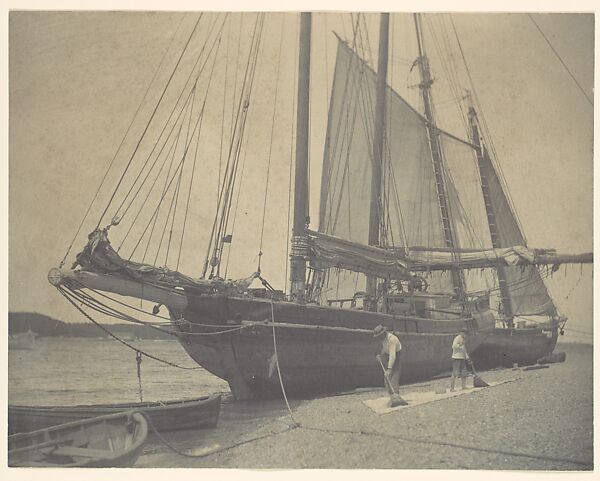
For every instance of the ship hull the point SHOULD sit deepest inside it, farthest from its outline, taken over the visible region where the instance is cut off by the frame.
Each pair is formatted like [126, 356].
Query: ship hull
[505, 347]
[320, 349]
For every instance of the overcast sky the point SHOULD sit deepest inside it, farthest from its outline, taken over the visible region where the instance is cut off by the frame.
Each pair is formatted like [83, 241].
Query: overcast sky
[76, 80]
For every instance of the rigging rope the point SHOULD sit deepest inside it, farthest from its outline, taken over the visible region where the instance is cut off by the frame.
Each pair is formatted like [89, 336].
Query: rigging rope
[488, 136]
[171, 204]
[145, 202]
[237, 201]
[292, 160]
[190, 139]
[154, 217]
[176, 191]
[150, 120]
[561, 60]
[175, 105]
[187, 204]
[215, 248]
[102, 308]
[169, 363]
[179, 166]
[262, 228]
[62, 262]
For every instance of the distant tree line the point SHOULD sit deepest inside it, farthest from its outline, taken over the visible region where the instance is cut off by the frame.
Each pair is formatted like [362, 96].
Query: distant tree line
[46, 326]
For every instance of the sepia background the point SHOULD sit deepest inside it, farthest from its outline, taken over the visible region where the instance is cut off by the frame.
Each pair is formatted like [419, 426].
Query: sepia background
[76, 80]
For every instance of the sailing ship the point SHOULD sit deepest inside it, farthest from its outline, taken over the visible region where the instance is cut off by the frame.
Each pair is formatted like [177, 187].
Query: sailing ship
[373, 260]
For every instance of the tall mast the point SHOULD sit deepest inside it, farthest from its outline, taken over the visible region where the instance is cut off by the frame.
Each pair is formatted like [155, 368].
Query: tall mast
[299, 238]
[436, 152]
[491, 216]
[378, 143]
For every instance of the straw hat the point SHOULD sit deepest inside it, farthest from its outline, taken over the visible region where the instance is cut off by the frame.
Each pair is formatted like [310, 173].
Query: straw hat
[379, 330]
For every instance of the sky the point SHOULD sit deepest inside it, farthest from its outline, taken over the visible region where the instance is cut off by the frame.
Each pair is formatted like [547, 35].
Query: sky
[77, 79]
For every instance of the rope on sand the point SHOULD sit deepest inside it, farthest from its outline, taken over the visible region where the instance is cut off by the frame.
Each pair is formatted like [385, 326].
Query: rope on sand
[216, 449]
[412, 440]
[366, 433]
[453, 445]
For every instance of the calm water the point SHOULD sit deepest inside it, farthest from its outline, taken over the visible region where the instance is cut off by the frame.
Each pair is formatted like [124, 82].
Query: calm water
[70, 371]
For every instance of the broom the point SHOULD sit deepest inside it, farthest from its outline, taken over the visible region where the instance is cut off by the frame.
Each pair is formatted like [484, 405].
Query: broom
[477, 381]
[395, 399]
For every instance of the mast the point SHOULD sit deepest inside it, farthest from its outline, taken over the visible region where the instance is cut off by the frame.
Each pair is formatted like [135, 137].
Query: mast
[491, 217]
[378, 143]
[299, 241]
[436, 153]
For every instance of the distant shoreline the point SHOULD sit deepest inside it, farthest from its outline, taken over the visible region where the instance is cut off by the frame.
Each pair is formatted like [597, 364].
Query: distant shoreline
[45, 326]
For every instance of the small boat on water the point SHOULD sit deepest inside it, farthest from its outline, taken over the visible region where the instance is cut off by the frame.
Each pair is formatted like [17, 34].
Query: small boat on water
[115, 440]
[22, 340]
[172, 415]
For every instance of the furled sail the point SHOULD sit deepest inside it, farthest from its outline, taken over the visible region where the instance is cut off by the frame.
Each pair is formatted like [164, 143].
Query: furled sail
[409, 199]
[527, 291]
[328, 251]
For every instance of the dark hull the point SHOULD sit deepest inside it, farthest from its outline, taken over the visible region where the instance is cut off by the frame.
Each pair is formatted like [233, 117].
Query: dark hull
[320, 349]
[114, 440]
[505, 347]
[165, 416]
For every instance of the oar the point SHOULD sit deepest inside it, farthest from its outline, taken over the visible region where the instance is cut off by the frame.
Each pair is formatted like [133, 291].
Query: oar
[395, 399]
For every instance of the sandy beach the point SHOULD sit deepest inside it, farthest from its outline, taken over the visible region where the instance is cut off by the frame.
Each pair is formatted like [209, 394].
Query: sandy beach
[532, 419]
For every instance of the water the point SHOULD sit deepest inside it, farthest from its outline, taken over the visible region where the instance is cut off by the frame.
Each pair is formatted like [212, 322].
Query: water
[68, 371]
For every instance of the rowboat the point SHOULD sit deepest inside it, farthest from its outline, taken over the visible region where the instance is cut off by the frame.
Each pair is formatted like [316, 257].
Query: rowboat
[115, 440]
[172, 415]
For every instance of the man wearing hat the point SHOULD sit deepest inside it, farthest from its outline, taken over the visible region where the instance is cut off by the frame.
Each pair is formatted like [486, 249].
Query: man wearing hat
[459, 359]
[390, 353]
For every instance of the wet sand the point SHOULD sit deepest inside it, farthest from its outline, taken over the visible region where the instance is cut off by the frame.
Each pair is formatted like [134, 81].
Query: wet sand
[541, 421]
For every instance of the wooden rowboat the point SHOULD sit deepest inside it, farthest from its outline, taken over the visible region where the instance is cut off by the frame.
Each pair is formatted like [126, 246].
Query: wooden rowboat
[173, 415]
[115, 440]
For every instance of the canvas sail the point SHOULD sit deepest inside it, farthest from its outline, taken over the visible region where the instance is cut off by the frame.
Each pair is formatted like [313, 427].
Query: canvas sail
[409, 195]
[527, 291]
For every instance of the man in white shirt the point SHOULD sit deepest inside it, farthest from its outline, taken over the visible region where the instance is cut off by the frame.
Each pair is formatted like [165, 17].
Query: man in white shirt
[390, 353]
[459, 359]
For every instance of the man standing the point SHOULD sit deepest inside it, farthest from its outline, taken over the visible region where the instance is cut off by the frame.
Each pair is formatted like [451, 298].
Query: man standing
[390, 353]
[459, 359]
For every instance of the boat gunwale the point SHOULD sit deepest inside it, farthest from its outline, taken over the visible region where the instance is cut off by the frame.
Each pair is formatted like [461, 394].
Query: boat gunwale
[151, 405]
[139, 439]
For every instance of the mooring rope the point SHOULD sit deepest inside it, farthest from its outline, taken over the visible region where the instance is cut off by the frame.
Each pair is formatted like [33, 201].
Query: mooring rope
[278, 369]
[217, 449]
